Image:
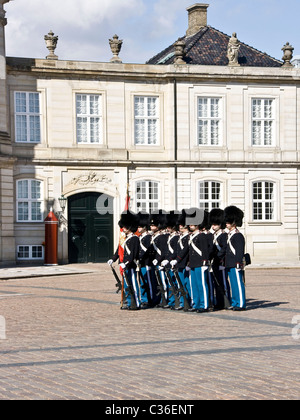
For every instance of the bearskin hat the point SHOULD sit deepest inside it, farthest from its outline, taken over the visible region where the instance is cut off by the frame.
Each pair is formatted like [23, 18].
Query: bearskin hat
[205, 222]
[158, 218]
[216, 217]
[234, 215]
[172, 219]
[129, 220]
[143, 219]
[182, 218]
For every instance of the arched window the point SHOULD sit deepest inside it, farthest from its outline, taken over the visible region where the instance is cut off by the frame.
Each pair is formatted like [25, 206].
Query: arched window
[29, 201]
[263, 195]
[147, 196]
[210, 195]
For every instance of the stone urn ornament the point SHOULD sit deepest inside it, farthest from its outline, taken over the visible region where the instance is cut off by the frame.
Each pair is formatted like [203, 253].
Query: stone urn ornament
[179, 52]
[287, 55]
[51, 43]
[115, 46]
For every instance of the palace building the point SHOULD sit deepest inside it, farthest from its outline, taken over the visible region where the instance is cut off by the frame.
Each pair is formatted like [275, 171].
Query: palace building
[208, 122]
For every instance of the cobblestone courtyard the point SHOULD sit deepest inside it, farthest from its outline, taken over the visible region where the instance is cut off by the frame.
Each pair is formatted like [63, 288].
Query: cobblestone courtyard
[67, 339]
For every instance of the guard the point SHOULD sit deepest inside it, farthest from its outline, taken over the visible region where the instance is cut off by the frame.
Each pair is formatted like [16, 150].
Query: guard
[129, 224]
[217, 256]
[198, 263]
[234, 257]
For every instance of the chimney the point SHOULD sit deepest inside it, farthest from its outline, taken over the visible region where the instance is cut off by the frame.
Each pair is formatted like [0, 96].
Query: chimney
[197, 18]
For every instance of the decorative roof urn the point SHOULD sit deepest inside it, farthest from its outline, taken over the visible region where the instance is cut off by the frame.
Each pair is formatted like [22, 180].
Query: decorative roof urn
[288, 55]
[179, 52]
[115, 46]
[51, 43]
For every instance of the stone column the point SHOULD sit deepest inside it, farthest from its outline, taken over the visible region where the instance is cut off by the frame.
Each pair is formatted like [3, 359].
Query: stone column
[7, 203]
[3, 94]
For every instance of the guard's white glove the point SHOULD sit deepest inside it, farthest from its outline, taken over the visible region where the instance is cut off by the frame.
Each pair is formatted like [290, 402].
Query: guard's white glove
[164, 263]
[123, 266]
[154, 262]
[187, 268]
[110, 262]
[173, 263]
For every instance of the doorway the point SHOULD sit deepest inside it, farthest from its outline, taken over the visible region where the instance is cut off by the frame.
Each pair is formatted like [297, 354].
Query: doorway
[90, 236]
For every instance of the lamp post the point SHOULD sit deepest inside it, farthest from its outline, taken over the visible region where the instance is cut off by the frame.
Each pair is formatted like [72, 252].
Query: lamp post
[62, 202]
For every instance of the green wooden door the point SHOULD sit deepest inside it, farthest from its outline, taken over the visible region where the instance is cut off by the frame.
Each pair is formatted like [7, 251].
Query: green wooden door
[90, 234]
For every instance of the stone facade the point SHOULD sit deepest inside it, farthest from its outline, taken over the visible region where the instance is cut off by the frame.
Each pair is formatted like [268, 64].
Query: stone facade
[175, 162]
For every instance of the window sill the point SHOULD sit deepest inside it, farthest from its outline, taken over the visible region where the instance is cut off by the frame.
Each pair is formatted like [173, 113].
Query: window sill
[264, 223]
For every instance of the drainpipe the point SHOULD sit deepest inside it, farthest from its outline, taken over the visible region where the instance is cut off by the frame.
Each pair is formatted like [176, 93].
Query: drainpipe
[175, 146]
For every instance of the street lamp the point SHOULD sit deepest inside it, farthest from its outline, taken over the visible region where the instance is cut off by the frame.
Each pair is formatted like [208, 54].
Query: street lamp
[62, 202]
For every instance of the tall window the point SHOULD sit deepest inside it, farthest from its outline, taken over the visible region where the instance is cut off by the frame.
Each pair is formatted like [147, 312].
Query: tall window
[263, 201]
[263, 111]
[209, 195]
[147, 196]
[27, 117]
[146, 120]
[29, 201]
[209, 122]
[89, 119]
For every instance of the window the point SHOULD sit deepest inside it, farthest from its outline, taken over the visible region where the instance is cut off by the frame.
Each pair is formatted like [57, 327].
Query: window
[146, 120]
[30, 252]
[209, 122]
[29, 201]
[263, 122]
[263, 201]
[209, 195]
[27, 117]
[89, 119]
[147, 196]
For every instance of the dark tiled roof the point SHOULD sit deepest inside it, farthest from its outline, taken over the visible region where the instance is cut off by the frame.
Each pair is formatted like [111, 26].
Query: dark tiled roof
[209, 47]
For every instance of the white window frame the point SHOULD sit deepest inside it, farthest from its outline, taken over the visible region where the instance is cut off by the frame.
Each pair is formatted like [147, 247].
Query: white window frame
[147, 203]
[143, 137]
[27, 115]
[89, 116]
[264, 202]
[211, 202]
[263, 121]
[29, 201]
[30, 252]
[209, 119]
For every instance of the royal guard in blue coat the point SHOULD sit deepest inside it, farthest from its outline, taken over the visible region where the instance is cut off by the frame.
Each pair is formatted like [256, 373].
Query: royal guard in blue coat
[180, 262]
[234, 257]
[198, 262]
[217, 258]
[158, 253]
[171, 252]
[147, 275]
[129, 223]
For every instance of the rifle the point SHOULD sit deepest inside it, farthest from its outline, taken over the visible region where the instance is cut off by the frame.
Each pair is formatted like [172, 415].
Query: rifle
[161, 288]
[182, 290]
[133, 304]
[227, 302]
[174, 288]
[119, 283]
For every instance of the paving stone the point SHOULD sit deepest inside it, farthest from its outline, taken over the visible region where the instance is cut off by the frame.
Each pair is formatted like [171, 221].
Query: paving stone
[68, 339]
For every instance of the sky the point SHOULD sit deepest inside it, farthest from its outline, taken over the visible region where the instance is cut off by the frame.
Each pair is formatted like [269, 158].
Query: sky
[145, 26]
